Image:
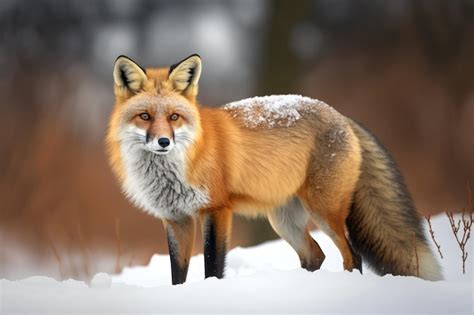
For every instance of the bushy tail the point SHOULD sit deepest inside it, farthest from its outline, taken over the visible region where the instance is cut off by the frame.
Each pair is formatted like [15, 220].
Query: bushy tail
[383, 224]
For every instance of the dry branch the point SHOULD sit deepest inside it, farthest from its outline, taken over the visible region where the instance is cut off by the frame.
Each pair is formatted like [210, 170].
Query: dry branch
[57, 257]
[416, 255]
[119, 245]
[432, 233]
[84, 251]
[466, 220]
[132, 258]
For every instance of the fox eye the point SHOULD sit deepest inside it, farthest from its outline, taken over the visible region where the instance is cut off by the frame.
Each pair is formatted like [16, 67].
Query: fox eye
[145, 116]
[174, 116]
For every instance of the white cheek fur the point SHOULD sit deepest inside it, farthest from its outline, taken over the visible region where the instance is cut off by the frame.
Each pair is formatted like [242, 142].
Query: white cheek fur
[137, 130]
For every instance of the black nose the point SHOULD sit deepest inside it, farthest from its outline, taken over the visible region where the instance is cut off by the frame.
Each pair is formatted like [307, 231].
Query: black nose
[164, 142]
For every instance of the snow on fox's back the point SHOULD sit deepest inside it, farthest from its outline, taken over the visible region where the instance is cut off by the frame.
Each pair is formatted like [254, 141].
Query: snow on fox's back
[273, 110]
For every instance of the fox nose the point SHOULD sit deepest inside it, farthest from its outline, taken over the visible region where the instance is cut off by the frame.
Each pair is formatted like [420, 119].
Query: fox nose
[164, 142]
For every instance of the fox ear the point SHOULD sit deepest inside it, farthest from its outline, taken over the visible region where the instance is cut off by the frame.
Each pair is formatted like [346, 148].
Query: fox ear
[184, 76]
[128, 75]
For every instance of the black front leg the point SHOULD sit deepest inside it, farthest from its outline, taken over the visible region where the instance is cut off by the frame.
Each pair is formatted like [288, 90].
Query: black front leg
[217, 226]
[180, 235]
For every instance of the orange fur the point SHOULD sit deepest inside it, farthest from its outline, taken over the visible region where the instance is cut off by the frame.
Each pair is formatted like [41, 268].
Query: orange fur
[254, 170]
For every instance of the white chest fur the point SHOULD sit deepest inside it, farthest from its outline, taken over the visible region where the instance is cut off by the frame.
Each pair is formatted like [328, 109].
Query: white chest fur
[157, 184]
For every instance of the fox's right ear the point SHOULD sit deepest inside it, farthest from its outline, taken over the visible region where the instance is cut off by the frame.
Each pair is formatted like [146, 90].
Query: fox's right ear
[128, 75]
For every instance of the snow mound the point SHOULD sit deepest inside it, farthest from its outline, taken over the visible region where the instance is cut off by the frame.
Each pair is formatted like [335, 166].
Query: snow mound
[264, 278]
[273, 110]
[101, 280]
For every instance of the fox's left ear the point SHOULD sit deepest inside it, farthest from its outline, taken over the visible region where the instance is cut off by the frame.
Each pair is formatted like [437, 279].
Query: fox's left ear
[184, 76]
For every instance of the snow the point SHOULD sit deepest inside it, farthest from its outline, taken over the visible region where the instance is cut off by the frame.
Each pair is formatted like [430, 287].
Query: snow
[101, 280]
[273, 110]
[264, 278]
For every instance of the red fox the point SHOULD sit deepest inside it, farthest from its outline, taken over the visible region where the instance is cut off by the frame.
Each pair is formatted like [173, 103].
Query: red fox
[287, 157]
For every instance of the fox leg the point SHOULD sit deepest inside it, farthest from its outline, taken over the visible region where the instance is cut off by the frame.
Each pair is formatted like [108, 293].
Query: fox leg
[290, 222]
[330, 216]
[216, 226]
[180, 235]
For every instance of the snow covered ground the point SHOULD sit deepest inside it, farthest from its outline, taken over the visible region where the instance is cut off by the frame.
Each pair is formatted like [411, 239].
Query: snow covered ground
[264, 278]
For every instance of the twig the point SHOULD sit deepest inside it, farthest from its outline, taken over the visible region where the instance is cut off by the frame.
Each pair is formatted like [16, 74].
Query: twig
[467, 224]
[55, 251]
[58, 258]
[432, 233]
[119, 245]
[132, 258]
[84, 250]
[416, 255]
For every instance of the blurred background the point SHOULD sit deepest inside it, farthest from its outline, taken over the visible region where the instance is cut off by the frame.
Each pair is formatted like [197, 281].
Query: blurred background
[404, 68]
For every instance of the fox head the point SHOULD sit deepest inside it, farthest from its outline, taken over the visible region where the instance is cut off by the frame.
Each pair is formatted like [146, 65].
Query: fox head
[155, 108]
